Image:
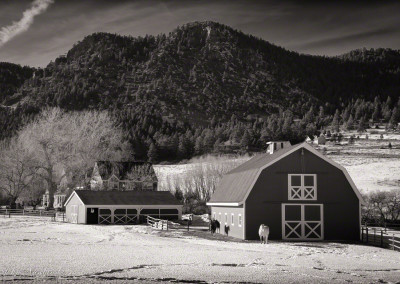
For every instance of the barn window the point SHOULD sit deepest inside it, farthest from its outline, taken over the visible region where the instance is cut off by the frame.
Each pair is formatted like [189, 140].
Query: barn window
[219, 217]
[302, 187]
[240, 220]
[215, 216]
[232, 216]
[226, 218]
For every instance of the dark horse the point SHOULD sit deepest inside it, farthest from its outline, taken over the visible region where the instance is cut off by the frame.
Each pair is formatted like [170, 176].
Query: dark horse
[214, 226]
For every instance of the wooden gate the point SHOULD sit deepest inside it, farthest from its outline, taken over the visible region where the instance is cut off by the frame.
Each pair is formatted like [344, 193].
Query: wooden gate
[302, 222]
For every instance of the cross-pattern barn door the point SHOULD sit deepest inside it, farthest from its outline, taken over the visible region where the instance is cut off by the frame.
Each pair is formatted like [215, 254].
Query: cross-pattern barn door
[302, 222]
[105, 216]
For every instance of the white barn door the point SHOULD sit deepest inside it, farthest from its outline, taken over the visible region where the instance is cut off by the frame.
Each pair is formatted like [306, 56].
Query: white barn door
[74, 214]
[302, 222]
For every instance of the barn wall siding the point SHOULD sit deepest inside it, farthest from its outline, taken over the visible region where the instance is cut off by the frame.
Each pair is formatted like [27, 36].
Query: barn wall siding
[81, 210]
[341, 205]
[234, 229]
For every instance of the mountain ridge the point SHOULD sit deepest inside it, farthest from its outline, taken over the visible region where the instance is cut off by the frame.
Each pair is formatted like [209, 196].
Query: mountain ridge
[201, 75]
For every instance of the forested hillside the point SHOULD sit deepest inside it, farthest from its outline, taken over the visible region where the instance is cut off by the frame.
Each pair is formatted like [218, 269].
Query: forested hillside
[205, 87]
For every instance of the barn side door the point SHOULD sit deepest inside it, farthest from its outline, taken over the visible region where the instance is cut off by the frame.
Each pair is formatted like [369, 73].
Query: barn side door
[74, 214]
[302, 222]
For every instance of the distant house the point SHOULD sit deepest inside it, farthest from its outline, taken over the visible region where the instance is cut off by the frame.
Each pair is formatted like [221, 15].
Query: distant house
[296, 191]
[139, 176]
[121, 207]
[60, 195]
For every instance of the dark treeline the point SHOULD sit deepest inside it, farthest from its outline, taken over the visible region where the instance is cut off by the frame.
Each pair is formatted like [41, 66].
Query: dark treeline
[206, 88]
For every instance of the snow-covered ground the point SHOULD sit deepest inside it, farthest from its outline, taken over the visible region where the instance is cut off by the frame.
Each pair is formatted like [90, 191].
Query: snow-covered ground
[34, 249]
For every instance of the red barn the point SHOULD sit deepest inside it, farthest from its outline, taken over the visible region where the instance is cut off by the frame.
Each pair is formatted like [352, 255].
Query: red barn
[296, 191]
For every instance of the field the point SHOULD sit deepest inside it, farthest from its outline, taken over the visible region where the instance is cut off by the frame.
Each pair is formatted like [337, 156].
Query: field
[370, 163]
[37, 250]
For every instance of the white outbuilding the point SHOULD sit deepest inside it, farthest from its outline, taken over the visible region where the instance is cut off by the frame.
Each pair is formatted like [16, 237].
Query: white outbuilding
[121, 207]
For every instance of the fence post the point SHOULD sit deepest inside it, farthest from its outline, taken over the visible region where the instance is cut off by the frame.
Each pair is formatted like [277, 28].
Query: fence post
[366, 229]
[23, 212]
[63, 217]
[167, 225]
[362, 234]
[382, 238]
[40, 212]
[374, 235]
[393, 242]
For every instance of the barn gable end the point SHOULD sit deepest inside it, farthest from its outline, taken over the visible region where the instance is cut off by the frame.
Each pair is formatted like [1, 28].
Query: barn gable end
[262, 187]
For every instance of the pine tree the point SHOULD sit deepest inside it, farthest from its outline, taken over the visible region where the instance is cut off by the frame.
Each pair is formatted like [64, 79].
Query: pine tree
[245, 141]
[350, 123]
[395, 118]
[377, 110]
[198, 147]
[361, 125]
[336, 121]
[152, 153]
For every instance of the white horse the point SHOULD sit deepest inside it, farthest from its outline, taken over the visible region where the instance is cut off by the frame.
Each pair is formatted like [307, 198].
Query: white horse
[263, 232]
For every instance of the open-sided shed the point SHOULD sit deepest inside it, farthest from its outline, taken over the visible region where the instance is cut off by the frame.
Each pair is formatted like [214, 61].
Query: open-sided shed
[121, 207]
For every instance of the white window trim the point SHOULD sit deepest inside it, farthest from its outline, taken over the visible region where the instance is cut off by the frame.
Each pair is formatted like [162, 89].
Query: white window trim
[215, 215]
[226, 218]
[240, 220]
[219, 217]
[232, 219]
[302, 187]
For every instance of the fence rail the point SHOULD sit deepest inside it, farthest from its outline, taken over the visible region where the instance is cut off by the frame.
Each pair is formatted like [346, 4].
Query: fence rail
[381, 237]
[28, 212]
[157, 223]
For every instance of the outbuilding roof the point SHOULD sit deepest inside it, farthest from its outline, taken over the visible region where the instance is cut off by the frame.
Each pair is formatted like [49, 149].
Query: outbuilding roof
[236, 185]
[90, 197]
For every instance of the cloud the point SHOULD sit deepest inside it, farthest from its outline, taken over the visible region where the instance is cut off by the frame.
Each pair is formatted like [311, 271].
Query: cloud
[353, 37]
[17, 27]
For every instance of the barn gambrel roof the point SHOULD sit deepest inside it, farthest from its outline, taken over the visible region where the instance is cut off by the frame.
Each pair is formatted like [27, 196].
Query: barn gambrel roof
[236, 185]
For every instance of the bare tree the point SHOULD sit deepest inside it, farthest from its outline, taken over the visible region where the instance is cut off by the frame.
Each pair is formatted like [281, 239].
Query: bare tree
[69, 143]
[202, 175]
[393, 204]
[16, 170]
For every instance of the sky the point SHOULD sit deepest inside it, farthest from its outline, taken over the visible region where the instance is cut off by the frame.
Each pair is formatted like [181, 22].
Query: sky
[34, 32]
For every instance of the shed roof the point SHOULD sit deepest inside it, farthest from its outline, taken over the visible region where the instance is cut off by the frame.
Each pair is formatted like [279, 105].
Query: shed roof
[90, 197]
[236, 185]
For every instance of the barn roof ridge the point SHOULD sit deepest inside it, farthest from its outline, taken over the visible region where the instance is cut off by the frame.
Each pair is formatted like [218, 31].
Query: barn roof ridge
[245, 175]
